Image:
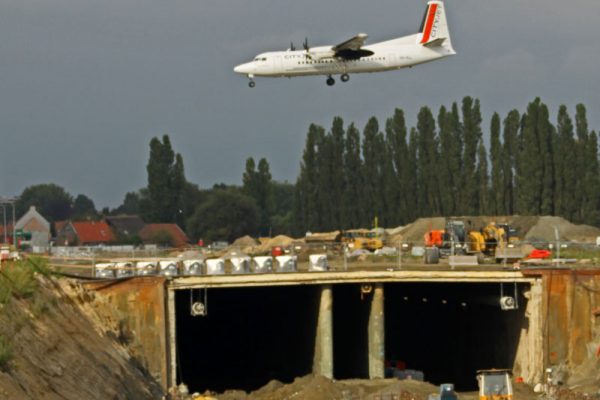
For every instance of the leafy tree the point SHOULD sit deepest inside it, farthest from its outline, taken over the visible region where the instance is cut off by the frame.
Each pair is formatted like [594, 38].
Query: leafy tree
[226, 214]
[449, 163]
[83, 208]
[130, 206]
[166, 184]
[413, 182]
[258, 185]
[50, 200]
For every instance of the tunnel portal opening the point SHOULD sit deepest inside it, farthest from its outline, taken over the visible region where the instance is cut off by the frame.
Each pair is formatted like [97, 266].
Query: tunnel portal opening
[249, 337]
[450, 330]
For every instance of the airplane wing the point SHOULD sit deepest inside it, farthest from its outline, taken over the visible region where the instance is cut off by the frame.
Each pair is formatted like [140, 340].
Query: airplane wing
[353, 44]
[351, 48]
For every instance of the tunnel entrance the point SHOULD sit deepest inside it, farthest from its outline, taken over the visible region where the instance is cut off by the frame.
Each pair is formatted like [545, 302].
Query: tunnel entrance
[350, 339]
[450, 330]
[249, 337]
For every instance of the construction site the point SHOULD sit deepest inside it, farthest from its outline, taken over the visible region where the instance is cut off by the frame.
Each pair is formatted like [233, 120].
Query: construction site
[373, 314]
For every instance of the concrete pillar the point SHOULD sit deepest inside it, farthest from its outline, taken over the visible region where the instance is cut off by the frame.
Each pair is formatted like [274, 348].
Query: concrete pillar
[171, 339]
[376, 332]
[323, 356]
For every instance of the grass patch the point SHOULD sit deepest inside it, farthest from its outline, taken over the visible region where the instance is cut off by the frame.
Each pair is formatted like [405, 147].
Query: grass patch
[578, 253]
[5, 353]
[18, 278]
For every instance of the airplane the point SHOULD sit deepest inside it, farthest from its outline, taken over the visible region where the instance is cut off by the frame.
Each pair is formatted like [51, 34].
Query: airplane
[432, 42]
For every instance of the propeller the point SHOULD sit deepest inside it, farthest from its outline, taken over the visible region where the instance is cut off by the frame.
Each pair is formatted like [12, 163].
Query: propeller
[292, 47]
[305, 44]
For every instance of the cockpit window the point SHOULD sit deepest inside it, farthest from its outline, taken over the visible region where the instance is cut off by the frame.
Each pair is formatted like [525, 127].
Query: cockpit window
[260, 59]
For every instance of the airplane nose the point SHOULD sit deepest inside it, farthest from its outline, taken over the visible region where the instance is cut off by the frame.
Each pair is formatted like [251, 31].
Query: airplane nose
[243, 68]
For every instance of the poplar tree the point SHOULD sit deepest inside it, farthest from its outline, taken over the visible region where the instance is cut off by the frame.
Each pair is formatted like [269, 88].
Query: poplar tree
[257, 184]
[483, 198]
[510, 149]
[497, 201]
[445, 175]
[352, 201]
[398, 147]
[306, 197]
[412, 185]
[166, 183]
[372, 153]
[337, 171]
[472, 135]
[564, 165]
[427, 164]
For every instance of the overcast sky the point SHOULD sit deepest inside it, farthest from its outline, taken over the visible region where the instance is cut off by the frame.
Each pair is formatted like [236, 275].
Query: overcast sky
[85, 84]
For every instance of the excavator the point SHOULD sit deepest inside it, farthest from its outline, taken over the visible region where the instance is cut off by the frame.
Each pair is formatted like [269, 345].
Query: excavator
[493, 240]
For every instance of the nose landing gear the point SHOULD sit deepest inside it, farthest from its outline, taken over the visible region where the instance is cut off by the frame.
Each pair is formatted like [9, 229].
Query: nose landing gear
[251, 83]
[330, 81]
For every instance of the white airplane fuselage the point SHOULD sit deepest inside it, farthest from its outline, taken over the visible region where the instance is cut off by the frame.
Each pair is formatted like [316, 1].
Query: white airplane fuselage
[389, 55]
[352, 56]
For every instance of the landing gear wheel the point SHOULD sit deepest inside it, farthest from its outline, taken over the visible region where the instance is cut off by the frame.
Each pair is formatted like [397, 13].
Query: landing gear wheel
[330, 81]
[345, 77]
[251, 83]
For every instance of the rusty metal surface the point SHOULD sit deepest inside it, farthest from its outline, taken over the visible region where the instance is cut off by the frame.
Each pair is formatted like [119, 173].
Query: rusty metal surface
[138, 305]
[571, 298]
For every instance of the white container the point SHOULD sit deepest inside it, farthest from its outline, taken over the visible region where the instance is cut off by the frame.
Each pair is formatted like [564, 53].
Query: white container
[105, 270]
[287, 263]
[124, 269]
[145, 268]
[168, 268]
[215, 266]
[263, 265]
[241, 265]
[193, 267]
[318, 262]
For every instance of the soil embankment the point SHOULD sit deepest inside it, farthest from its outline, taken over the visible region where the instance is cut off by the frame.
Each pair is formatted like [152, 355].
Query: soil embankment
[50, 350]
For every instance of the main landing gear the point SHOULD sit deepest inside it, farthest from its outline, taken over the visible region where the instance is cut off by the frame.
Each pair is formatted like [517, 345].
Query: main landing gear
[344, 78]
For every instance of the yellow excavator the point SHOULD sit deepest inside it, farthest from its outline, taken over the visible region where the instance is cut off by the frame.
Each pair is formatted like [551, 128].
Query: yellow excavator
[495, 240]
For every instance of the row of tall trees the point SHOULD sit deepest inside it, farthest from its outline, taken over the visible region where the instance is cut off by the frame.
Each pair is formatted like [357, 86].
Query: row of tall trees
[441, 167]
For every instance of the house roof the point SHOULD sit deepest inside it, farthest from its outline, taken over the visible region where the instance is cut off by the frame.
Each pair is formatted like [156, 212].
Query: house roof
[149, 232]
[126, 225]
[93, 232]
[59, 225]
[32, 213]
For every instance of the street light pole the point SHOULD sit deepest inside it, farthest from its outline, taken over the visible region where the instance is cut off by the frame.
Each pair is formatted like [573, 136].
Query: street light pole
[4, 217]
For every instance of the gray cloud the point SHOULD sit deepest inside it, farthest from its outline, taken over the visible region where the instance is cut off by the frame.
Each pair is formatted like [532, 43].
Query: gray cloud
[85, 85]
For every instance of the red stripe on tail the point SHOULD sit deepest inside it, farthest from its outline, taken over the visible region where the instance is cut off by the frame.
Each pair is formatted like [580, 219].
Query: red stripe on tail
[429, 23]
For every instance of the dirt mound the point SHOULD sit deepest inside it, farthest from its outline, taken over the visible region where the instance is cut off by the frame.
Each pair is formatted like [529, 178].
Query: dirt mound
[280, 240]
[527, 227]
[245, 241]
[545, 229]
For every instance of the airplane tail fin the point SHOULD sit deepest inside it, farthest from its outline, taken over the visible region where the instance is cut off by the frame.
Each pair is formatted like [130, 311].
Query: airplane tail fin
[434, 28]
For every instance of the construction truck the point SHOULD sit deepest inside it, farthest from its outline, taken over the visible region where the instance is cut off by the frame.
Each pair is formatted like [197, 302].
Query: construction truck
[357, 239]
[495, 384]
